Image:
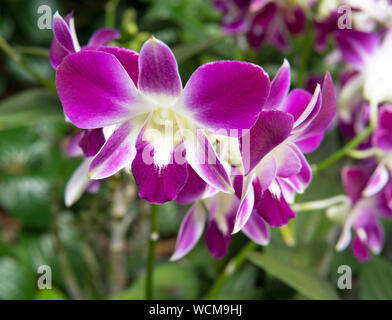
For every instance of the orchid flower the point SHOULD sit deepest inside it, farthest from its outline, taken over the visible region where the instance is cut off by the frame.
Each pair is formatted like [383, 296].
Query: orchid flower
[368, 54]
[367, 204]
[86, 143]
[157, 120]
[66, 42]
[273, 150]
[222, 209]
[262, 20]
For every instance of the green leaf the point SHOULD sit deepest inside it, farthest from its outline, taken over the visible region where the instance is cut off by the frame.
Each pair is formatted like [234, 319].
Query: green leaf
[375, 280]
[16, 281]
[172, 281]
[302, 279]
[28, 108]
[50, 294]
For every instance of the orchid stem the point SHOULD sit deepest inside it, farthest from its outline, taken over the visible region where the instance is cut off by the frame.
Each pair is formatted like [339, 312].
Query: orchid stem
[154, 236]
[319, 204]
[16, 57]
[230, 269]
[352, 144]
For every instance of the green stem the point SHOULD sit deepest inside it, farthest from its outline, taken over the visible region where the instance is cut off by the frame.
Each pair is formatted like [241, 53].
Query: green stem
[352, 144]
[110, 13]
[229, 269]
[9, 51]
[151, 252]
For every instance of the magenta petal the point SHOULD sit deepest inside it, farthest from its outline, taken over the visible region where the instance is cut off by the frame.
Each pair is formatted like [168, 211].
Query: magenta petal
[354, 180]
[377, 181]
[257, 229]
[204, 160]
[62, 33]
[383, 135]
[271, 129]
[369, 229]
[288, 162]
[216, 240]
[103, 36]
[190, 231]
[56, 54]
[193, 188]
[308, 145]
[226, 94]
[245, 208]
[158, 70]
[360, 250]
[302, 179]
[274, 209]
[92, 141]
[129, 59]
[266, 171]
[296, 102]
[295, 20]
[117, 152]
[279, 87]
[158, 184]
[324, 117]
[95, 90]
[73, 147]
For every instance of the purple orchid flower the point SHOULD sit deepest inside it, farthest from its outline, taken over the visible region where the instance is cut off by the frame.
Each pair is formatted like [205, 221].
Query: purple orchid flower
[86, 143]
[157, 120]
[66, 42]
[222, 208]
[273, 22]
[368, 202]
[273, 150]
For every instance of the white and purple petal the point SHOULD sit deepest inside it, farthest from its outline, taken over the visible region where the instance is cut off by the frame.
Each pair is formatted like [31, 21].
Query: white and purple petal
[190, 231]
[95, 90]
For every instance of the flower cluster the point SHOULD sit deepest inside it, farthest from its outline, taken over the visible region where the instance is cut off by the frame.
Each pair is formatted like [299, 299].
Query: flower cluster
[364, 106]
[263, 21]
[229, 141]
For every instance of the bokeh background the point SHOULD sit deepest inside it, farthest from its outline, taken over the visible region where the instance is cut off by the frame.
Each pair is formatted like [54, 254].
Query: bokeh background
[97, 248]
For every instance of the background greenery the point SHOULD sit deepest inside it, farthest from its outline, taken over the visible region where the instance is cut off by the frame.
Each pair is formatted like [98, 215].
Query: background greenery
[97, 248]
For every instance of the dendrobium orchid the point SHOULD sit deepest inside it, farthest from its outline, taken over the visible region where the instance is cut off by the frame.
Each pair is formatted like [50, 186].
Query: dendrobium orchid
[66, 42]
[161, 128]
[273, 150]
[220, 216]
[367, 203]
[86, 143]
[262, 21]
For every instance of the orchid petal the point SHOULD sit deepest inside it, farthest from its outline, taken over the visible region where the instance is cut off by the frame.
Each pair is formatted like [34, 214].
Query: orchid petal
[77, 184]
[128, 59]
[245, 208]
[257, 229]
[62, 33]
[382, 137]
[103, 36]
[377, 181]
[95, 90]
[158, 184]
[158, 71]
[190, 231]
[271, 129]
[202, 157]
[279, 87]
[288, 163]
[225, 95]
[193, 188]
[274, 208]
[116, 153]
